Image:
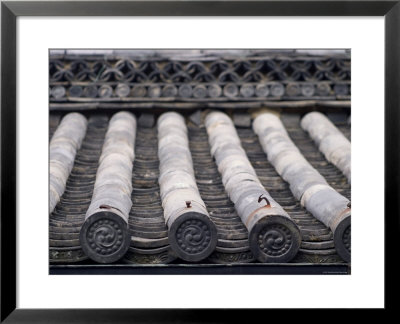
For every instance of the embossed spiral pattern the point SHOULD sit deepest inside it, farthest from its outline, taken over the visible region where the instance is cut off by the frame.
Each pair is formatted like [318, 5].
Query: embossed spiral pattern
[275, 240]
[347, 238]
[104, 237]
[193, 236]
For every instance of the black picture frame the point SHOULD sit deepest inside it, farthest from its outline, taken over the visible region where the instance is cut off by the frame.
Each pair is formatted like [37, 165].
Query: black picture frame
[10, 10]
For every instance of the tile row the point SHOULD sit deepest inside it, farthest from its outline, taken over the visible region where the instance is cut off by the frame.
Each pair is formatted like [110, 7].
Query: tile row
[206, 176]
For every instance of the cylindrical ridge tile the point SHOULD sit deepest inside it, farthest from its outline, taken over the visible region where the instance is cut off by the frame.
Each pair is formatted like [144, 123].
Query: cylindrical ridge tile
[104, 235]
[64, 144]
[306, 183]
[273, 236]
[191, 233]
[330, 141]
